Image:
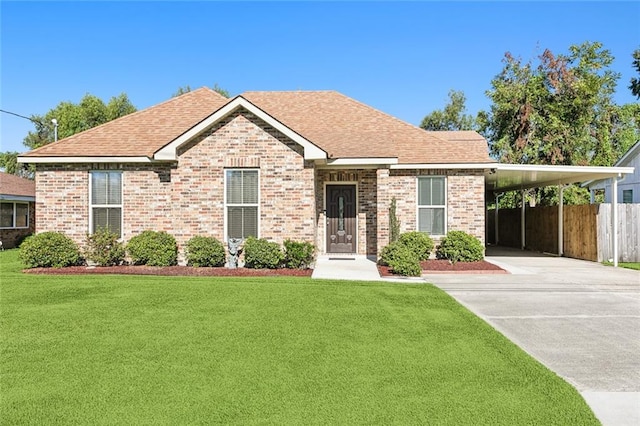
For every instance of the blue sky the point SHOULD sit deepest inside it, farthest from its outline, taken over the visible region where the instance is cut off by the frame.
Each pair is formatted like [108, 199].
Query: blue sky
[399, 57]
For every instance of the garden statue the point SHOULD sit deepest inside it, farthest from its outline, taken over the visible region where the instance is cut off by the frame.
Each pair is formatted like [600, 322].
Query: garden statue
[234, 252]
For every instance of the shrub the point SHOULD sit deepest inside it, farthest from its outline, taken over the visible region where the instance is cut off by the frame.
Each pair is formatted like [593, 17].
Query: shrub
[389, 252]
[260, 253]
[153, 248]
[419, 242]
[104, 249]
[459, 246]
[404, 261]
[205, 251]
[49, 249]
[298, 255]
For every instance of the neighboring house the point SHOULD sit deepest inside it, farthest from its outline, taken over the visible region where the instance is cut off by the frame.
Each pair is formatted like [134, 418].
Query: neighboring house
[308, 166]
[628, 186]
[17, 209]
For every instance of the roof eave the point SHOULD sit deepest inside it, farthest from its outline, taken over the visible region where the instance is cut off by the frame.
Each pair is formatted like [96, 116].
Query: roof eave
[81, 159]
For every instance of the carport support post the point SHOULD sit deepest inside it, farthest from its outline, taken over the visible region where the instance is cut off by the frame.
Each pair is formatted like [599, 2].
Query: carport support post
[522, 221]
[614, 218]
[560, 219]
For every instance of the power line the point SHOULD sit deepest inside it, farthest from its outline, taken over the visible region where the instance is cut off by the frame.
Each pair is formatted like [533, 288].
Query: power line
[22, 116]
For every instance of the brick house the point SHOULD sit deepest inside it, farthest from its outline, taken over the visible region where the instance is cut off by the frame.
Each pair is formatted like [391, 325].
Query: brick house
[309, 166]
[17, 209]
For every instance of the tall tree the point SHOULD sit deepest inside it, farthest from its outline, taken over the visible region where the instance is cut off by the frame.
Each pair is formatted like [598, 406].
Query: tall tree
[73, 118]
[635, 81]
[557, 111]
[452, 117]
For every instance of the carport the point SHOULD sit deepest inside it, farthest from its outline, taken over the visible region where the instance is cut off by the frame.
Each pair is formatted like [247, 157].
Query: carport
[512, 177]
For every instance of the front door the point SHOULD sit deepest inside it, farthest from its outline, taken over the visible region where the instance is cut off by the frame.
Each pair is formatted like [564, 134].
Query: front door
[341, 219]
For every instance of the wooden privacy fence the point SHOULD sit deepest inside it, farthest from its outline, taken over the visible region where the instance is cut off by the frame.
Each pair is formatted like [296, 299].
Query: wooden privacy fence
[587, 230]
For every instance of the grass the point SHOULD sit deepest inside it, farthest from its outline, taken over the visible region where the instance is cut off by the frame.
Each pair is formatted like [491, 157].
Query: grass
[163, 350]
[628, 265]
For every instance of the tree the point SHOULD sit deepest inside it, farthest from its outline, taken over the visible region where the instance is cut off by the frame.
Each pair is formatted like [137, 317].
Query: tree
[186, 89]
[9, 162]
[72, 118]
[453, 116]
[635, 81]
[559, 110]
[556, 112]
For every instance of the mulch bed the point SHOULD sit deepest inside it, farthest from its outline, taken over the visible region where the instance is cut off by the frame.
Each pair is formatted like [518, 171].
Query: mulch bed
[443, 266]
[171, 271]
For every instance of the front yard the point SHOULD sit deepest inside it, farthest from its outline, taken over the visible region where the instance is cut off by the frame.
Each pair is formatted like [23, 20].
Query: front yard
[177, 350]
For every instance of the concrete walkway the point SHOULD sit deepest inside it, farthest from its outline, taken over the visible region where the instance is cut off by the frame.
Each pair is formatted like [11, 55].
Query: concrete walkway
[580, 319]
[346, 267]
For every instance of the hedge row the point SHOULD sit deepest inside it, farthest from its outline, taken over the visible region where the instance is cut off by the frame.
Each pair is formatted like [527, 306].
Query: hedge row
[54, 249]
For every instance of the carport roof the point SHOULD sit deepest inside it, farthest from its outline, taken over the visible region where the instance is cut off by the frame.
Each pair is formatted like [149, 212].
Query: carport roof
[508, 177]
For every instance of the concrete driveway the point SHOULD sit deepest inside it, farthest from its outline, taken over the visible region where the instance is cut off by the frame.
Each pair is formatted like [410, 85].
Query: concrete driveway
[580, 319]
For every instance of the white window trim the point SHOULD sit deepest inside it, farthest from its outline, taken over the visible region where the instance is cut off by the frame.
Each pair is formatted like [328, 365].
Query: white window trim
[444, 207]
[92, 206]
[13, 221]
[226, 234]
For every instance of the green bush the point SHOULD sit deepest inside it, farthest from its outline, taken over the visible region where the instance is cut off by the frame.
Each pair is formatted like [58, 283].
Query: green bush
[49, 249]
[419, 242]
[389, 252]
[260, 253]
[104, 249]
[298, 255]
[459, 246]
[205, 251]
[404, 261]
[153, 248]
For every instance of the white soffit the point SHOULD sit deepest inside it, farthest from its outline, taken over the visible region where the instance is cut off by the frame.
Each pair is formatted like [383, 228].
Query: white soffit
[508, 177]
[168, 152]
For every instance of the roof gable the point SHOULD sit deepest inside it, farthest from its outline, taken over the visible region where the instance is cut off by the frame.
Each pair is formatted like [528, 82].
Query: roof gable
[168, 152]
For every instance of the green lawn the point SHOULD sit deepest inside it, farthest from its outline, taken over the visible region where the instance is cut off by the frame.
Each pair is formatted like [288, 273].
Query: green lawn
[628, 265]
[162, 350]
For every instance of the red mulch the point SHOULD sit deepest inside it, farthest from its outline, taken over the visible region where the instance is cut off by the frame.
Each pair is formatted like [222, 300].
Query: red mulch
[443, 266]
[171, 271]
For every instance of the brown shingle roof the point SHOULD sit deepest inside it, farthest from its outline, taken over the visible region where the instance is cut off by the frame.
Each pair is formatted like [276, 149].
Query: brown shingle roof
[141, 133]
[341, 126]
[346, 128]
[15, 185]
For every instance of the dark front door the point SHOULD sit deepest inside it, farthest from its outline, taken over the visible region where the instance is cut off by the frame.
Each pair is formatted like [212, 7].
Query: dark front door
[341, 219]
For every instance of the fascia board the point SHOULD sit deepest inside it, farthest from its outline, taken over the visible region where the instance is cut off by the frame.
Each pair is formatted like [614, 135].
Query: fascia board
[445, 166]
[55, 160]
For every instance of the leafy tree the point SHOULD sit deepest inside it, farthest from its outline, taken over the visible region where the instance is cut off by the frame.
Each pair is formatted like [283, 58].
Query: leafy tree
[559, 110]
[9, 162]
[186, 89]
[72, 118]
[635, 81]
[452, 117]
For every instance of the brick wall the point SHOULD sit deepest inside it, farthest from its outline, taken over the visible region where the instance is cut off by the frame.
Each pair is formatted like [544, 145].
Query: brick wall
[186, 198]
[465, 201]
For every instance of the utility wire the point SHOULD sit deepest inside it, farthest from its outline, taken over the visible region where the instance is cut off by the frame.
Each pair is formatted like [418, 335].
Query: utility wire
[22, 116]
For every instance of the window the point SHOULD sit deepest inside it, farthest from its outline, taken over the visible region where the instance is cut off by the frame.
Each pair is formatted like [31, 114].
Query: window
[242, 200]
[432, 205]
[106, 202]
[14, 215]
[627, 196]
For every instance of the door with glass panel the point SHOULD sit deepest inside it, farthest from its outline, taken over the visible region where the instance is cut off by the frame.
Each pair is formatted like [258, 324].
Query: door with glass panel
[341, 219]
